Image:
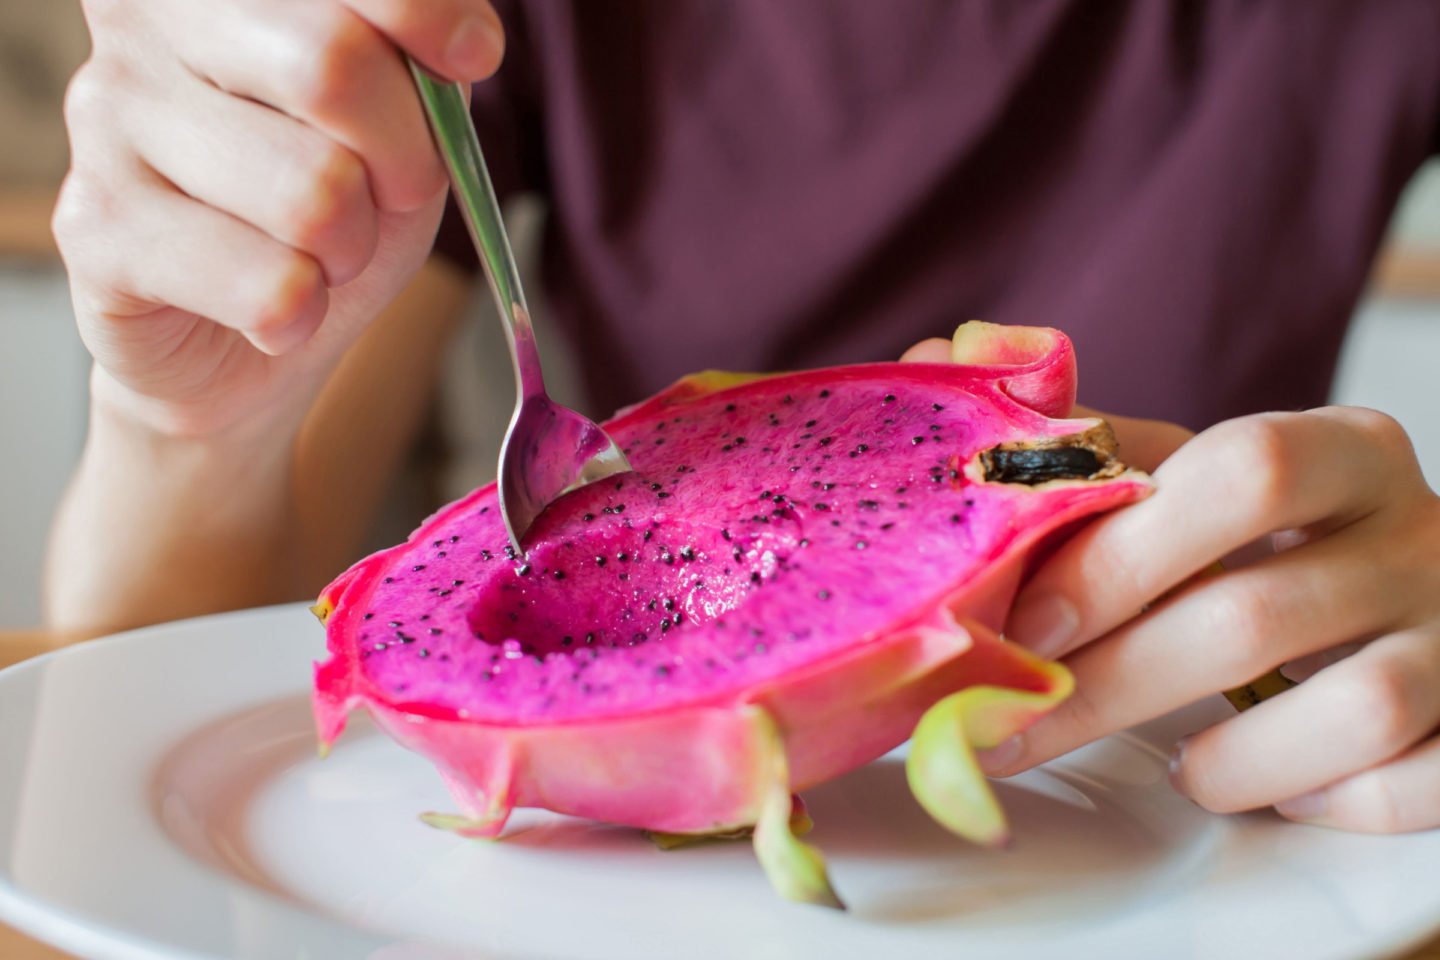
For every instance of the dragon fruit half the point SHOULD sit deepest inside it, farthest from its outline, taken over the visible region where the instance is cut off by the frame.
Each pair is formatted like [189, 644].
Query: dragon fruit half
[803, 571]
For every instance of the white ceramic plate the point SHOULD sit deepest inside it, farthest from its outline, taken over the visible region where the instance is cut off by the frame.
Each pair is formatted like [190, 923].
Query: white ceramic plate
[160, 797]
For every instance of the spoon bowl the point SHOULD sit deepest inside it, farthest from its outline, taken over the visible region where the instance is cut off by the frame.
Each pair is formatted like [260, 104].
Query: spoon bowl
[548, 451]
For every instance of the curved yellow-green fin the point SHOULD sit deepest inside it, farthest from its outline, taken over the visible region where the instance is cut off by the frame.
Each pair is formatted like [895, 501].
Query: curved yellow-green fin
[796, 869]
[943, 773]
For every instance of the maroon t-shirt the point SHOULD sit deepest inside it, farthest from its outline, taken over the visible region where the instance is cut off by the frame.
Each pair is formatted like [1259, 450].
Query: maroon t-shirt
[1193, 191]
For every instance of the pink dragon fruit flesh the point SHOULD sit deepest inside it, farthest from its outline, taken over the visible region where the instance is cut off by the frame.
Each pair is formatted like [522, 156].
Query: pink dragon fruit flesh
[801, 572]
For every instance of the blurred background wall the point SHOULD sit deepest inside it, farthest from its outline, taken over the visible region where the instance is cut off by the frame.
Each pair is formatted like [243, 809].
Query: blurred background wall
[42, 363]
[1389, 363]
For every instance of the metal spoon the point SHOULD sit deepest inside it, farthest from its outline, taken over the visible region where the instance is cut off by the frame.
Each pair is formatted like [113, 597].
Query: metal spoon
[549, 449]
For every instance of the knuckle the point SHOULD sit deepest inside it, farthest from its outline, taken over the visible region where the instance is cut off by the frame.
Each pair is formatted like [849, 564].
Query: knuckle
[72, 211]
[283, 293]
[1377, 696]
[1260, 463]
[424, 180]
[1368, 802]
[1388, 437]
[92, 223]
[83, 209]
[1376, 424]
[104, 12]
[335, 62]
[89, 96]
[326, 194]
[1245, 622]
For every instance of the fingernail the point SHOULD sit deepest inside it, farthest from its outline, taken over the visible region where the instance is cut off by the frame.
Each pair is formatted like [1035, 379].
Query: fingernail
[473, 48]
[1043, 624]
[1177, 760]
[1307, 806]
[1001, 757]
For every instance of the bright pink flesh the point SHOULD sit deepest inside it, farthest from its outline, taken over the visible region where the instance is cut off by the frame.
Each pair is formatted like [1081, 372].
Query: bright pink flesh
[712, 568]
[822, 545]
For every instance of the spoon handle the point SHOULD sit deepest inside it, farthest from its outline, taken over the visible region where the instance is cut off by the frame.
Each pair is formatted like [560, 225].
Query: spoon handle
[454, 133]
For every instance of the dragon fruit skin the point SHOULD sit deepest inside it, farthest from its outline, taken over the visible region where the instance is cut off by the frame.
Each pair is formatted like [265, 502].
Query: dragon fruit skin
[878, 615]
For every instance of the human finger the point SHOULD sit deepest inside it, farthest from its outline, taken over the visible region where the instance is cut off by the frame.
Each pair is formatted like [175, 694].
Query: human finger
[1214, 635]
[1229, 486]
[327, 67]
[459, 39]
[272, 294]
[1396, 797]
[266, 169]
[933, 350]
[1348, 718]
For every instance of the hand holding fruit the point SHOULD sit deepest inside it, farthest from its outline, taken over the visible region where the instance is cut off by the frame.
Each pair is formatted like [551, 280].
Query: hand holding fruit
[1354, 533]
[1357, 538]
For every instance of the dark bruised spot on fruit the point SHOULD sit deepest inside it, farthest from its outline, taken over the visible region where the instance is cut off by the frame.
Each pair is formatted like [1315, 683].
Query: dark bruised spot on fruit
[1080, 456]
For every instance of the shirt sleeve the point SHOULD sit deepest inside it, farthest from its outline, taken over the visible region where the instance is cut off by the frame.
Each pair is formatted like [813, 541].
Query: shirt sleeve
[507, 120]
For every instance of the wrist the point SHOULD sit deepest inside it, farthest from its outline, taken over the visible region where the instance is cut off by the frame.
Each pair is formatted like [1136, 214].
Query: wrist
[206, 421]
[160, 525]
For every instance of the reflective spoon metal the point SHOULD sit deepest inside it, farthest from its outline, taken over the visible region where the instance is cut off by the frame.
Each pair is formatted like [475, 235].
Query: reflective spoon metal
[549, 449]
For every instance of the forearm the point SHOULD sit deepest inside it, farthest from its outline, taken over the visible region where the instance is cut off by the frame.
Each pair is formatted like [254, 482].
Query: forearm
[156, 527]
